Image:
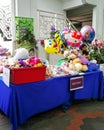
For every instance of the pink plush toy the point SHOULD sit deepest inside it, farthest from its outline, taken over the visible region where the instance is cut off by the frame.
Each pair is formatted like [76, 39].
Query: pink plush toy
[34, 61]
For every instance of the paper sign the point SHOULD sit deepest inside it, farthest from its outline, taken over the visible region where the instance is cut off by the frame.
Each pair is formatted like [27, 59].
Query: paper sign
[76, 83]
[6, 76]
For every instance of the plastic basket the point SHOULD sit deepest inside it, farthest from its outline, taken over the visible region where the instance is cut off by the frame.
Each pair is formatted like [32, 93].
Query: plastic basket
[27, 75]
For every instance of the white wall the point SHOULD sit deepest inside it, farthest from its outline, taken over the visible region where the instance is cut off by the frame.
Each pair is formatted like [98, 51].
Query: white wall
[68, 4]
[28, 8]
[50, 5]
[98, 19]
[54, 6]
[98, 13]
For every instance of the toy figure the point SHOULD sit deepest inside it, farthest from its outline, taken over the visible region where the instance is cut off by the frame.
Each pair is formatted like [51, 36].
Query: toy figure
[32, 52]
[84, 51]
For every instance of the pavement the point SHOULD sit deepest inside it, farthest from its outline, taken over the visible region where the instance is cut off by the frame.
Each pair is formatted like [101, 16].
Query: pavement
[82, 115]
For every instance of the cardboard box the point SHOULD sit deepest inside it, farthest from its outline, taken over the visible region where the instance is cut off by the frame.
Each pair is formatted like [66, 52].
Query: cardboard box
[27, 75]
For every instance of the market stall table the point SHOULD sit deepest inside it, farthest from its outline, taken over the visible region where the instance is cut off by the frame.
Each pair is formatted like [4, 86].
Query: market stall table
[20, 102]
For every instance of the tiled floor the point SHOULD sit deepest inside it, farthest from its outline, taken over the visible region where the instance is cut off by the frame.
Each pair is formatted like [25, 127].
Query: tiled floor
[82, 115]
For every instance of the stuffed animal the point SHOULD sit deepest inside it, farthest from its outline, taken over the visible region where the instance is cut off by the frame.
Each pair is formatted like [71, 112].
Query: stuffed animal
[78, 67]
[3, 51]
[77, 60]
[84, 60]
[93, 67]
[21, 53]
[75, 51]
[84, 68]
[72, 56]
[66, 53]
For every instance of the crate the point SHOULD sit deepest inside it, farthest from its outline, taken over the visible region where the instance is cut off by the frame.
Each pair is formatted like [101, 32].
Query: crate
[27, 75]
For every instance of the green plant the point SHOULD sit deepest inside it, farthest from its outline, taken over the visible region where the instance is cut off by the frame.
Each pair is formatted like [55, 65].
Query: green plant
[25, 32]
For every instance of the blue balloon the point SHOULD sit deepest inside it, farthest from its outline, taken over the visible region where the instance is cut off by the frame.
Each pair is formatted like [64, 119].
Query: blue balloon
[88, 33]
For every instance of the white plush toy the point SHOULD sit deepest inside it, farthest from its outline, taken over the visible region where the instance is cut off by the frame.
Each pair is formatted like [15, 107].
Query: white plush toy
[21, 53]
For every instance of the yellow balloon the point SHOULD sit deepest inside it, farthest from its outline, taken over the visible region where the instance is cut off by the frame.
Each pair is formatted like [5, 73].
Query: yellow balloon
[50, 46]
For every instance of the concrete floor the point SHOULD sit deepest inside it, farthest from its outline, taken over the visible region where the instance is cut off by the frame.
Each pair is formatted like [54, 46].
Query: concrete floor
[82, 115]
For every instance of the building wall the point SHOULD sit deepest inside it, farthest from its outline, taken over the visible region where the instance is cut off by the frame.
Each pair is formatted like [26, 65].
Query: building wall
[28, 8]
[98, 13]
[68, 4]
[98, 19]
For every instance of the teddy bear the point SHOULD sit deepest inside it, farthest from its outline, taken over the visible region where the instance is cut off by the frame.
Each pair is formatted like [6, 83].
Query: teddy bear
[69, 68]
[69, 54]
[77, 63]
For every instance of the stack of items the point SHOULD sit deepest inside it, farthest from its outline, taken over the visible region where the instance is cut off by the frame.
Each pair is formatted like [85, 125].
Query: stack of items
[25, 69]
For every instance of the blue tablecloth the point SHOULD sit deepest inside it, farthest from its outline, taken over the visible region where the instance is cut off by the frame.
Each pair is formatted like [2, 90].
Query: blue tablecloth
[20, 102]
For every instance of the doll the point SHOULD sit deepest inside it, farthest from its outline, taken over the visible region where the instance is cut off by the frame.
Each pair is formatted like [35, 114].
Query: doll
[84, 51]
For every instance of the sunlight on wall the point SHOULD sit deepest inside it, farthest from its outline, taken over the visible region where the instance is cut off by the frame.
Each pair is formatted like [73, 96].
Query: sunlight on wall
[5, 24]
[5, 2]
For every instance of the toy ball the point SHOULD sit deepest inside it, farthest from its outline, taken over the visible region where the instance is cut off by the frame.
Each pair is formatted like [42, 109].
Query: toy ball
[88, 33]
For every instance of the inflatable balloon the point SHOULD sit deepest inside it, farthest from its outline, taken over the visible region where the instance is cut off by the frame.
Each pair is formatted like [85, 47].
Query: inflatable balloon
[50, 46]
[88, 33]
[73, 38]
[63, 33]
[54, 46]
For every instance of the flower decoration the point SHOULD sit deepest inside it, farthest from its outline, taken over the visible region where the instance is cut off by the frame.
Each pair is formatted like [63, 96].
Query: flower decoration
[97, 50]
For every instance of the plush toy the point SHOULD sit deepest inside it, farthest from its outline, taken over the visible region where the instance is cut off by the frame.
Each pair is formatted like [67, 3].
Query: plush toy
[93, 67]
[61, 61]
[84, 60]
[78, 67]
[72, 56]
[84, 51]
[21, 53]
[23, 64]
[49, 71]
[66, 53]
[75, 51]
[93, 61]
[84, 68]
[71, 66]
[3, 51]
[77, 60]
[34, 62]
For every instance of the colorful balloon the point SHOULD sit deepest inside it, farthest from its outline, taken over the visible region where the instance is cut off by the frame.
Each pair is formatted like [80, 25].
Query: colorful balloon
[88, 33]
[50, 47]
[54, 46]
[73, 38]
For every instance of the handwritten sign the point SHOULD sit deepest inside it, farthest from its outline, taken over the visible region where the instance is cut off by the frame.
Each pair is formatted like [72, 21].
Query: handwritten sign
[76, 83]
[6, 76]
